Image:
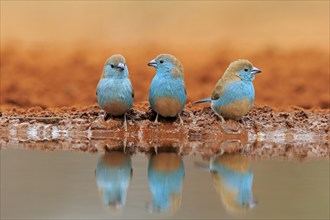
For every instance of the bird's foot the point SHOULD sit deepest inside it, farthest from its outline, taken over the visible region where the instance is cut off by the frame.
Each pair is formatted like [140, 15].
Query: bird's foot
[244, 120]
[107, 117]
[233, 127]
[125, 122]
[227, 129]
[222, 120]
[156, 120]
[181, 121]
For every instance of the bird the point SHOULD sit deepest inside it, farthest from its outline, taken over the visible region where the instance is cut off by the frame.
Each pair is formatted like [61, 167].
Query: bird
[233, 95]
[232, 178]
[165, 176]
[167, 94]
[114, 91]
[113, 176]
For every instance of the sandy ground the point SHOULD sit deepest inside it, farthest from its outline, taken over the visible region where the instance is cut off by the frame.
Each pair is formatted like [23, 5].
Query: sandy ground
[263, 132]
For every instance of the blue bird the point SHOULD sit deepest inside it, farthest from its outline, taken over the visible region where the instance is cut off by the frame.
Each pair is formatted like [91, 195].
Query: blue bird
[167, 94]
[165, 174]
[233, 95]
[114, 91]
[233, 178]
[113, 175]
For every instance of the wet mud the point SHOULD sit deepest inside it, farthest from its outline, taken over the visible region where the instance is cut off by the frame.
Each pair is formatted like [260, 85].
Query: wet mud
[265, 131]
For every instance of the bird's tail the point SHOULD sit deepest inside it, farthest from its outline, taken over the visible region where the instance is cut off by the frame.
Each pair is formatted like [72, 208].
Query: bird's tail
[203, 100]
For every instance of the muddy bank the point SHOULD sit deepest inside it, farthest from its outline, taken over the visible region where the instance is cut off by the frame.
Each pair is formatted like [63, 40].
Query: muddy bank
[264, 131]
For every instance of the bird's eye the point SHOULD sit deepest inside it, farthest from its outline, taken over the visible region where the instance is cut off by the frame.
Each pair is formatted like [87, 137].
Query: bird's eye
[246, 70]
[112, 66]
[162, 61]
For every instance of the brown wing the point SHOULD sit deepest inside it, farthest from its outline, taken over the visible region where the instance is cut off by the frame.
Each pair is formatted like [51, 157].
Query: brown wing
[217, 92]
[223, 81]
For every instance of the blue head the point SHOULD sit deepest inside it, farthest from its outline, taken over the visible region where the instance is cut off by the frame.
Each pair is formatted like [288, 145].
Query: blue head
[167, 65]
[243, 69]
[115, 67]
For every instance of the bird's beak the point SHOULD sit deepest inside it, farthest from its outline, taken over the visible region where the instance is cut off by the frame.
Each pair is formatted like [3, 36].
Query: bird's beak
[121, 66]
[255, 70]
[152, 63]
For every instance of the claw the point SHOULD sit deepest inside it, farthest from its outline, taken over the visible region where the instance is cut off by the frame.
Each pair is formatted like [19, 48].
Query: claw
[229, 130]
[242, 120]
[107, 117]
[156, 120]
[125, 122]
[222, 120]
[181, 121]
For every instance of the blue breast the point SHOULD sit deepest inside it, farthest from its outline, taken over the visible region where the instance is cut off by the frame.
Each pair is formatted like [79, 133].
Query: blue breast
[110, 90]
[167, 87]
[164, 184]
[113, 181]
[240, 182]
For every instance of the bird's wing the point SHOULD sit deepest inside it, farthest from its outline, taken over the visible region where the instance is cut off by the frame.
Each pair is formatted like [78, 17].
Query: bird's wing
[222, 83]
[217, 92]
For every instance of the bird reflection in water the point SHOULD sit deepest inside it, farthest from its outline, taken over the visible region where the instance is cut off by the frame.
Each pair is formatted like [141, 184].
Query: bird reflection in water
[113, 174]
[232, 178]
[165, 174]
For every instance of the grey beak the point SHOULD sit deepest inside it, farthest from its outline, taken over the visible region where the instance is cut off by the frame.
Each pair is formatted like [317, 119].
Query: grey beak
[255, 70]
[121, 66]
[152, 63]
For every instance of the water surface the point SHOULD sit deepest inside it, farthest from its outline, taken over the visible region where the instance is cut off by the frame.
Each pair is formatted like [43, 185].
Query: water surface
[60, 184]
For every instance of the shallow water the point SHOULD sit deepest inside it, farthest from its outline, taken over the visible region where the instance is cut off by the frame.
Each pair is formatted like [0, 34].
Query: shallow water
[61, 184]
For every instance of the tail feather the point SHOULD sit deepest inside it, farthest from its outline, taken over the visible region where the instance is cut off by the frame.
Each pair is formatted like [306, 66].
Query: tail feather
[203, 100]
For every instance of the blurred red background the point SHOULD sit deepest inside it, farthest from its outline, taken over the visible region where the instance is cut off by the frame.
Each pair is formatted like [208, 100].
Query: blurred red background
[52, 53]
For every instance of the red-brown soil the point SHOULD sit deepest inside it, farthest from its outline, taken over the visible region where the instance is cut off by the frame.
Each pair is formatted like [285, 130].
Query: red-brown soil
[263, 132]
[66, 77]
